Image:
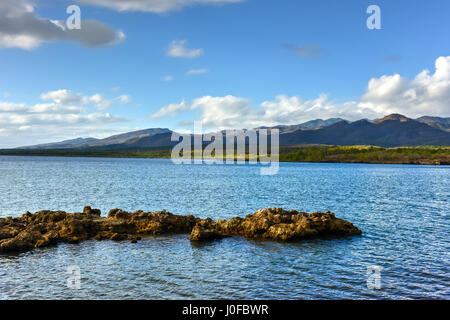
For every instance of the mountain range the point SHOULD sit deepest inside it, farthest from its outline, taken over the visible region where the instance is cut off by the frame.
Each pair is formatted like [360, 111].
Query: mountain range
[394, 130]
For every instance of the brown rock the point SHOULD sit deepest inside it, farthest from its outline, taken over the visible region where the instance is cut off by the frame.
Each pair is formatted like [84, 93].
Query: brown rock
[46, 227]
[206, 230]
[89, 210]
[118, 236]
[276, 224]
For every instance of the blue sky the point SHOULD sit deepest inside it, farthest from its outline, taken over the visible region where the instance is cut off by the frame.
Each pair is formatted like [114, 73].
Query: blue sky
[262, 62]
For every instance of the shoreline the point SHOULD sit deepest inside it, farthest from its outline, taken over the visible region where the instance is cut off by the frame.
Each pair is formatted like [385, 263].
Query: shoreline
[424, 162]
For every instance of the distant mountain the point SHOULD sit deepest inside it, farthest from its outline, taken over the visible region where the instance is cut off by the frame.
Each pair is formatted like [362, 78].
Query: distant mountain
[91, 142]
[309, 125]
[391, 131]
[319, 123]
[392, 117]
[63, 144]
[161, 140]
[394, 130]
[436, 122]
[126, 137]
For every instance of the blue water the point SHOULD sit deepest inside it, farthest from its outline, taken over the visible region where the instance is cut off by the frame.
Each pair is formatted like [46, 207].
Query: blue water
[403, 211]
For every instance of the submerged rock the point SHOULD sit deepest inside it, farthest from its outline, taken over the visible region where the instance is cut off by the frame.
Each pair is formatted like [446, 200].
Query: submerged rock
[46, 228]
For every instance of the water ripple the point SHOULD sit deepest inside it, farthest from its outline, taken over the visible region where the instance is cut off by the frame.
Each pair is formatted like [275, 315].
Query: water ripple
[402, 210]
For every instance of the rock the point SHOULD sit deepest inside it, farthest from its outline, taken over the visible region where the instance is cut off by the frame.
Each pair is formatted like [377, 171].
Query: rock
[118, 237]
[275, 224]
[89, 210]
[46, 227]
[24, 241]
[135, 239]
[206, 230]
[102, 236]
[118, 214]
[73, 240]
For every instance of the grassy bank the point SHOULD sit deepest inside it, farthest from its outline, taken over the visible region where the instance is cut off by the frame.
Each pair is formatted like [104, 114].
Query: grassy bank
[316, 153]
[367, 154]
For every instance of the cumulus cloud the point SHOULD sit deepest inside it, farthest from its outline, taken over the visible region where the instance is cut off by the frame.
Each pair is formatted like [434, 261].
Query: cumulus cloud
[124, 99]
[170, 109]
[196, 71]
[224, 112]
[21, 27]
[177, 49]
[51, 118]
[12, 107]
[61, 118]
[55, 108]
[155, 6]
[230, 112]
[426, 94]
[66, 97]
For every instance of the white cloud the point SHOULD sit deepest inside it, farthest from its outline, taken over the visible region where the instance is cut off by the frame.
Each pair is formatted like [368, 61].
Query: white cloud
[66, 97]
[230, 112]
[124, 99]
[55, 108]
[170, 110]
[196, 71]
[41, 118]
[177, 49]
[294, 110]
[426, 94]
[25, 42]
[155, 6]
[62, 96]
[97, 100]
[59, 119]
[20, 27]
[12, 107]
[225, 112]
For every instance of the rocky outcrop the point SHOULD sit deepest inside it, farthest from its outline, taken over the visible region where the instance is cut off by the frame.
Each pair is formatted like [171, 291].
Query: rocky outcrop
[276, 224]
[46, 228]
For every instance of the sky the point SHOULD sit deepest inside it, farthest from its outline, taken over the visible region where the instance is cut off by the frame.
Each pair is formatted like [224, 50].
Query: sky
[228, 63]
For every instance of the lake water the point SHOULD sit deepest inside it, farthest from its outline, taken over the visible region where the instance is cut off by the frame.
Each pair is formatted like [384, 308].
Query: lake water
[402, 210]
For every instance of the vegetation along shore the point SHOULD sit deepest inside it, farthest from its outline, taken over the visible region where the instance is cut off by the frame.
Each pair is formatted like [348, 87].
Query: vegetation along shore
[425, 155]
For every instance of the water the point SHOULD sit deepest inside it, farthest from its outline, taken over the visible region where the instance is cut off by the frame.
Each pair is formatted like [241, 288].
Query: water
[402, 210]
